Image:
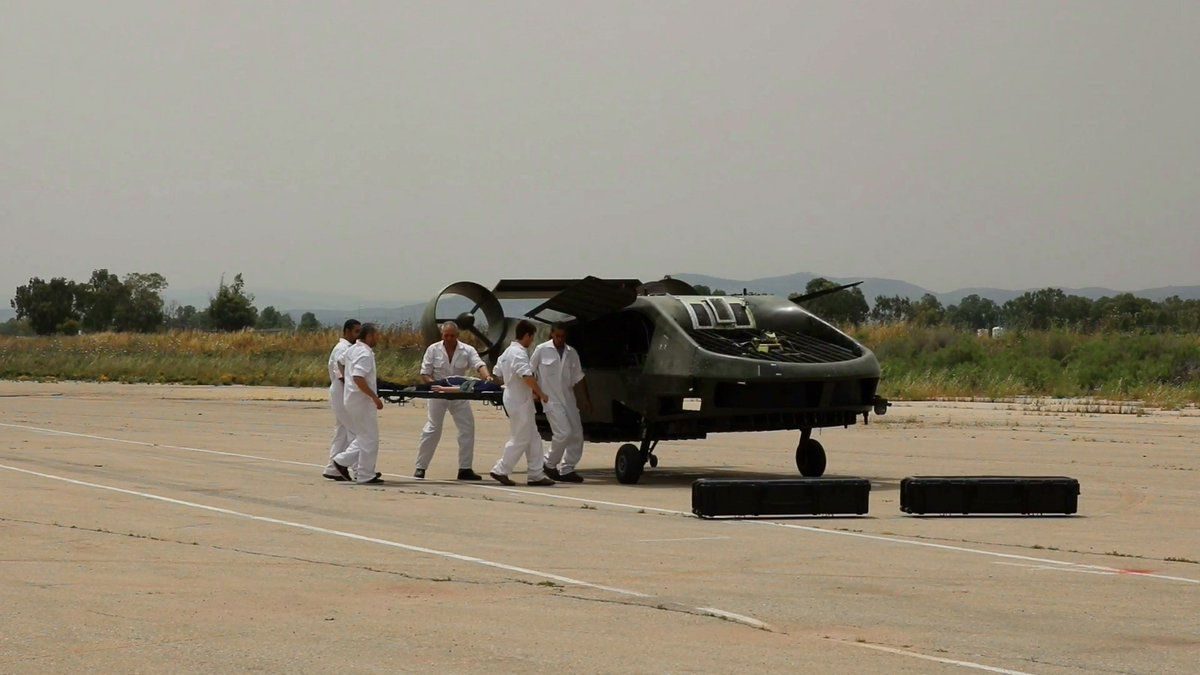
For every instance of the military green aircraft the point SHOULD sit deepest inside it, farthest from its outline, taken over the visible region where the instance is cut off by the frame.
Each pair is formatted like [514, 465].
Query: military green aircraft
[663, 363]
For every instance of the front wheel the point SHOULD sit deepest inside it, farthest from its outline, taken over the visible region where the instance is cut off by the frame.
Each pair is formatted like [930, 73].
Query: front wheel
[629, 464]
[810, 458]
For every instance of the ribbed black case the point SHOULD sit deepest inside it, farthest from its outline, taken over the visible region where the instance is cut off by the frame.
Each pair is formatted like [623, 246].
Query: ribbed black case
[789, 497]
[989, 494]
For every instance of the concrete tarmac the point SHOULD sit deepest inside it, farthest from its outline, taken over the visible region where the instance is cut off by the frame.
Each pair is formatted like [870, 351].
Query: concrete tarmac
[186, 529]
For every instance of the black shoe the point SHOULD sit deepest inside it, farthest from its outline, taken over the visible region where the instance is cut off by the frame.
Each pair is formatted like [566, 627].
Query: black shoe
[467, 474]
[337, 478]
[374, 481]
[570, 477]
[419, 473]
[551, 471]
[345, 471]
[540, 481]
[501, 478]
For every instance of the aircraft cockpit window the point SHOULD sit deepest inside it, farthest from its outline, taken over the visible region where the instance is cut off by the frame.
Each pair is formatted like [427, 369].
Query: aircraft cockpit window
[700, 314]
[740, 316]
[721, 309]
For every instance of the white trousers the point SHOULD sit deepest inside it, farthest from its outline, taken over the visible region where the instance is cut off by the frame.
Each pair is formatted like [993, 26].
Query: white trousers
[566, 443]
[524, 440]
[363, 451]
[464, 419]
[341, 429]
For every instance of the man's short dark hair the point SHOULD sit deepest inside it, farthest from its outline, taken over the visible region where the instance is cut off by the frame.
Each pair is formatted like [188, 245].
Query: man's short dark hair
[350, 323]
[525, 327]
[367, 330]
[558, 325]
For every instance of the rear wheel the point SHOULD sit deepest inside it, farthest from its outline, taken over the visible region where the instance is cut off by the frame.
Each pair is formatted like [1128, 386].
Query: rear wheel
[810, 458]
[629, 464]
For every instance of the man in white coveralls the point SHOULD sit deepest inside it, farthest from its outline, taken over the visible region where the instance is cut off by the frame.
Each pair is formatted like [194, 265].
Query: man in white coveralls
[449, 358]
[560, 375]
[337, 390]
[520, 388]
[362, 405]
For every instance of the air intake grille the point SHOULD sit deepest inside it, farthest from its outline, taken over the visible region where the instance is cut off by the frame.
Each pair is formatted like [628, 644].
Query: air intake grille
[793, 347]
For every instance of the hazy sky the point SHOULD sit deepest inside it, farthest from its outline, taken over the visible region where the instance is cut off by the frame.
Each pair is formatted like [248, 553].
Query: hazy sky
[381, 150]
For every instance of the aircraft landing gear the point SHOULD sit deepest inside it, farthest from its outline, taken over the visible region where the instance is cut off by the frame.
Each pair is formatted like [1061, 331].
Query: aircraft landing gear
[629, 464]
[810, 455]
[631, 461]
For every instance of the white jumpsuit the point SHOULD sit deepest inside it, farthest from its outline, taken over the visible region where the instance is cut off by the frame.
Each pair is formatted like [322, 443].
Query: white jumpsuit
[438, 365]
[512, 366]
[341, 429]
[363, 451]
[557, 374]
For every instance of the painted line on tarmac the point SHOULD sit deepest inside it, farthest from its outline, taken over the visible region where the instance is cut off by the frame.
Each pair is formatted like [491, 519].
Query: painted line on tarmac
[1063, 564]
[637, 507]
[708, 611]
[1105, 571]
[927, 657]
[340, 533]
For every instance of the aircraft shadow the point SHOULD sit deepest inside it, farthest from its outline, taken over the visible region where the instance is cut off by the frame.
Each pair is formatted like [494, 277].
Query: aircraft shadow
[683, 476]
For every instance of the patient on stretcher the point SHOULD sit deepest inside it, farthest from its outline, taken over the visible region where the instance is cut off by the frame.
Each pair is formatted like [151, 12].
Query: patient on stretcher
[467, 384]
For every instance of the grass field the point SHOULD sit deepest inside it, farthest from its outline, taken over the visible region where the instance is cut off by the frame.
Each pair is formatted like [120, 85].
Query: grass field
[927, 363]
[918, 363]
[192, 357]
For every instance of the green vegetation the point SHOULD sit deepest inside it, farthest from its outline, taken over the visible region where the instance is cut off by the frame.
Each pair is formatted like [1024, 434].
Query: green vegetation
[192, 357]
[106, 303]
[1044, 309]
[931, 362]
[918, 362]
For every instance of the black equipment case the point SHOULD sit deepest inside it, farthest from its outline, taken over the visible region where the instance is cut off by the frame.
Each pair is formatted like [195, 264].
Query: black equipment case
[989, 494]
[791, 497]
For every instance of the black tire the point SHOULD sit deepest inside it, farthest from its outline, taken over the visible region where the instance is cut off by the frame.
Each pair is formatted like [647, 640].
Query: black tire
[810, 458]
[629, 464]
[653, 461]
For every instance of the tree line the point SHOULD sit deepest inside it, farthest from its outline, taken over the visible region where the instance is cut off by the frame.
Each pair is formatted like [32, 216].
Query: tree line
[106, 302]
[1033, 310]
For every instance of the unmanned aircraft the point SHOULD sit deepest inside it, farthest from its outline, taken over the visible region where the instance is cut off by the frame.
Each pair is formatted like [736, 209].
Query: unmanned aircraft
[664, 363]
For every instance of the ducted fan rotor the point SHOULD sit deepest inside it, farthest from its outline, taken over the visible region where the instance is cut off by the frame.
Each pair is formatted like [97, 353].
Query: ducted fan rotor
[474, 308]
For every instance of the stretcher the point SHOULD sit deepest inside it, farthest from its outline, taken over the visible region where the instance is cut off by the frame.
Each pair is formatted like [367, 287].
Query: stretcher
[401, 394]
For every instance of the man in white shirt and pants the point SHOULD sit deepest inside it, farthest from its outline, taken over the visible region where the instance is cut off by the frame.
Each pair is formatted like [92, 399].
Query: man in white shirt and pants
[449, 358]
[520, 387]
[337, 391]
[560, 375]
[362, 403]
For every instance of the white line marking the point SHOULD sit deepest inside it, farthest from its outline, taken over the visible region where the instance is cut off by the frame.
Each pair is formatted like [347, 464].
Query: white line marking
[655, 541]
[339, 533]
[927, 657]
[1095, 569]
[712, 611]
[720, 613]
[635, 507]
[963, 549]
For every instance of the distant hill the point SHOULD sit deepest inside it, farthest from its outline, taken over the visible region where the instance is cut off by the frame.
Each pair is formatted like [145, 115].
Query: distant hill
[795, 283]
[385, 316]
[324, 306]
[873, 287]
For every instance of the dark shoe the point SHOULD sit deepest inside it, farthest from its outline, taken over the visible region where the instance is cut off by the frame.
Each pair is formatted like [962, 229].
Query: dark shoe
[501, 478]
[374, 481]
[337, 478]
[419, 473]
[541, 481]
[467, 474]
[551, 471]
[571, 477]
[345, 471]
